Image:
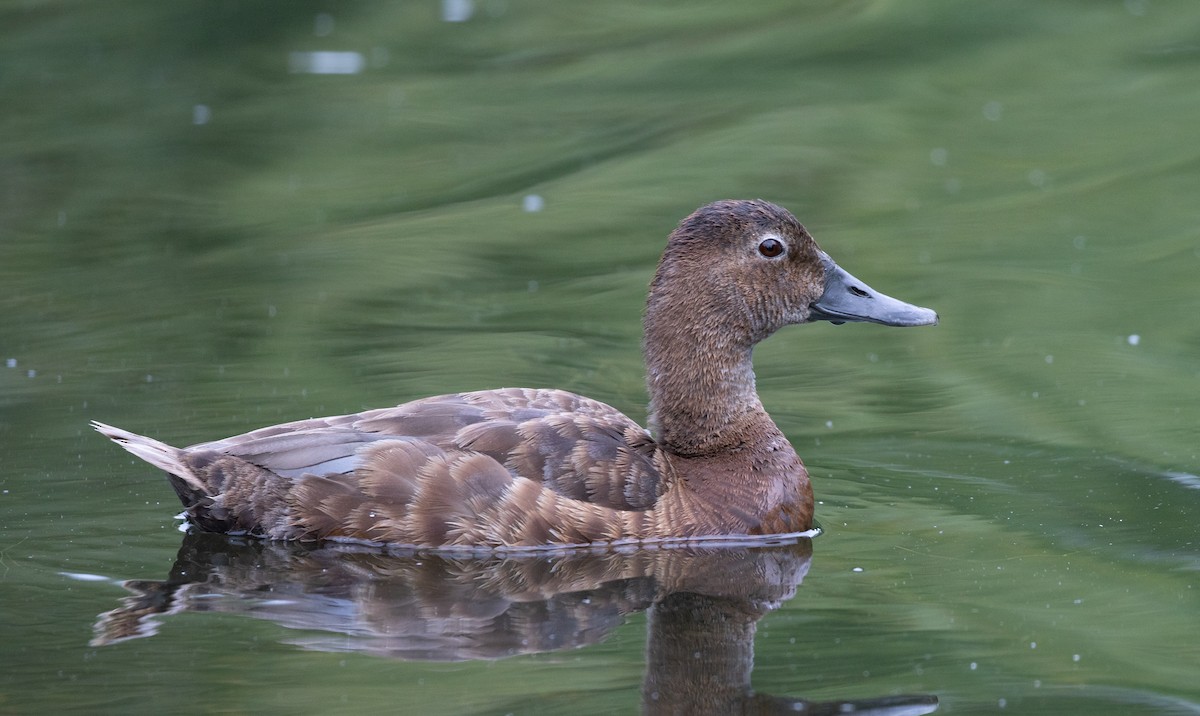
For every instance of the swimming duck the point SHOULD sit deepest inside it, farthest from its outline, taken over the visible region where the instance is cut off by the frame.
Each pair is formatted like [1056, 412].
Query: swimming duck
[522, 468]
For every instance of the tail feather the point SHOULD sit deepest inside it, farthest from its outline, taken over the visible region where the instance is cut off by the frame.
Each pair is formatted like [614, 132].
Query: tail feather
[159, 454]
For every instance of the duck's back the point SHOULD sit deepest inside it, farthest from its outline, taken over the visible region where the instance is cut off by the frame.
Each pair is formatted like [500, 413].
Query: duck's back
[510, 466]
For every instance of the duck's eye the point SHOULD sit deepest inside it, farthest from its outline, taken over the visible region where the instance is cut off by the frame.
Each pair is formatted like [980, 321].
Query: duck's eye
[770, 248]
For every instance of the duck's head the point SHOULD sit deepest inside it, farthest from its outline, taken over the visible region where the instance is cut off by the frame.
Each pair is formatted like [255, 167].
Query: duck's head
[751, 266]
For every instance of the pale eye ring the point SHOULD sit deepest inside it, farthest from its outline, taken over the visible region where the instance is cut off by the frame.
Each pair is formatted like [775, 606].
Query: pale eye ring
[770, 247]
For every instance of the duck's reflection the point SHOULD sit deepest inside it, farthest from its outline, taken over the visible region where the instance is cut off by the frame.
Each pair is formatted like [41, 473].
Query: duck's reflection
[704, 606]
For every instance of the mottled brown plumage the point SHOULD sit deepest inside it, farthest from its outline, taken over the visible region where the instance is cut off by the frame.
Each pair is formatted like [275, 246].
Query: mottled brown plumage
[518, 467]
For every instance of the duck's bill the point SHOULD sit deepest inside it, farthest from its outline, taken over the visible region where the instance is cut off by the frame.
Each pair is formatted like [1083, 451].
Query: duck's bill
[848, 299]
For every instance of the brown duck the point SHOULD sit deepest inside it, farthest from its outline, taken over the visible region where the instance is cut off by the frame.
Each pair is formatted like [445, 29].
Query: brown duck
[522, 467]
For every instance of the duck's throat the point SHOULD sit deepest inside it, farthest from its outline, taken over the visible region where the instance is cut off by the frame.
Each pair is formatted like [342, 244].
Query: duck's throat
[702, 393]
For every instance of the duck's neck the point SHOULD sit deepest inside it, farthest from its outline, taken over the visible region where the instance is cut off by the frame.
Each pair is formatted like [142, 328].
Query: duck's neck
[700, 379]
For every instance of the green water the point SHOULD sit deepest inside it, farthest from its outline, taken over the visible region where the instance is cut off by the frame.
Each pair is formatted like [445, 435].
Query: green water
[196, 241]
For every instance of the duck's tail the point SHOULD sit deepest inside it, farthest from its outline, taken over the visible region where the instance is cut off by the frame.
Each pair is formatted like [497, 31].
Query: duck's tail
[187, 484]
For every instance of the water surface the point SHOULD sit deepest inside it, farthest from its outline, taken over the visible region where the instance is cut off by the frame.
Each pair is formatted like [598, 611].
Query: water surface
[205, 227]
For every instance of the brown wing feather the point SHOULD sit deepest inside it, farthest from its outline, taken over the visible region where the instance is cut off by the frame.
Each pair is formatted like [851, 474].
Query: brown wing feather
[578, 447]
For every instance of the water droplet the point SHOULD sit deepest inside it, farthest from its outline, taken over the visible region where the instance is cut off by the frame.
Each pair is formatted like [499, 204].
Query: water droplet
[532, 203]
[992, 111]
[457, 10]
[938, 157]
[326, 63]
[1134, 339]
[201, 114]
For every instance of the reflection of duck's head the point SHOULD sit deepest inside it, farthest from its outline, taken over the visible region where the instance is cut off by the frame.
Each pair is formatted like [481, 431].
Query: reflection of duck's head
[521, 468]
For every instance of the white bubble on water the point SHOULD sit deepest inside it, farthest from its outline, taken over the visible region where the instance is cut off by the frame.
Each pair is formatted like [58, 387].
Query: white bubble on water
[85, 577]
[326, 62]
[457, 10]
